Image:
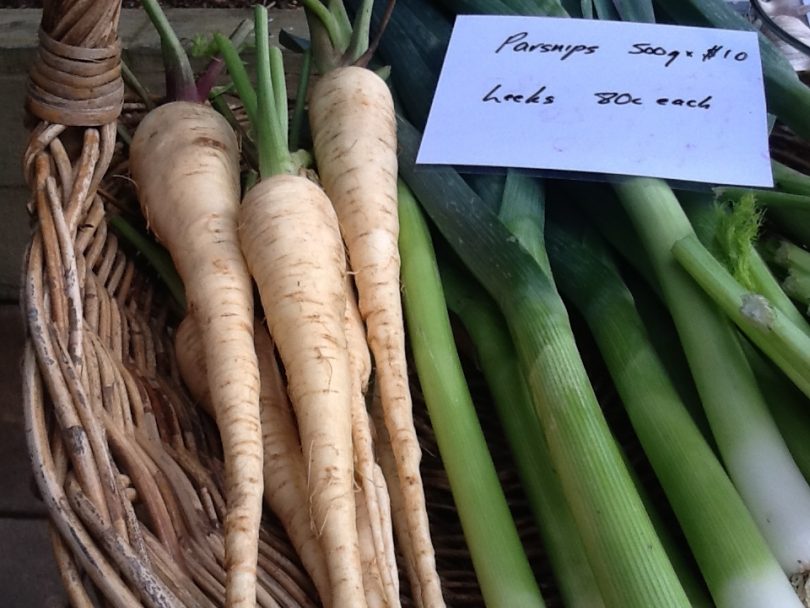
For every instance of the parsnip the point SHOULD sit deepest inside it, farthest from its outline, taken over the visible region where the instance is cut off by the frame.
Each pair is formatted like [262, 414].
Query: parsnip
[184, 160]
[290, 238]
[354, 133]
[284, 471]
[373, 488]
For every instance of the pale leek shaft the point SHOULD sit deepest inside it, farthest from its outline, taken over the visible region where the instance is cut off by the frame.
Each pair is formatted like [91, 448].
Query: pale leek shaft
[752, 449]
[723, 536]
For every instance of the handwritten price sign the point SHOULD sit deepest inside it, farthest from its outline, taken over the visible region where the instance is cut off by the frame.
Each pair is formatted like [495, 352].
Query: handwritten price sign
[601, 97]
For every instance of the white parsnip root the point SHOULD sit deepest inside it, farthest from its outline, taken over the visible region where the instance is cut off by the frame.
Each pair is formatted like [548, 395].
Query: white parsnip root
[284, 471]
[190, 354]
[372, 581]
[388, 467]
[285, 481]
[184, 160]
[354, 134]
[292, 245]
[321, 474]
[372, 485]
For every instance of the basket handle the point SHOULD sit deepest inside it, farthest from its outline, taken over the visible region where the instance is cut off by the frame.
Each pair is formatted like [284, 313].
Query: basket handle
[76, 76]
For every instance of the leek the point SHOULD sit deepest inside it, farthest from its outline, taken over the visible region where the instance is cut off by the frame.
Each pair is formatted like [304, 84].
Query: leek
[722, 534]
[755, 272]
[788, 405]
[797, 285]
[769, 198]
[789, 210]
[628, 560]
[765, 325]
[613, 224]
[522, 211]
[499, 365]
[500, 563]
[789, 179]
[635, 10]
[790, 256]
[787, 97]
[753, 451]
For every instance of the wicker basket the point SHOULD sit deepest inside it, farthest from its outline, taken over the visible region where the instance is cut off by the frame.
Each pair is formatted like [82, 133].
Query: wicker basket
[129, 468]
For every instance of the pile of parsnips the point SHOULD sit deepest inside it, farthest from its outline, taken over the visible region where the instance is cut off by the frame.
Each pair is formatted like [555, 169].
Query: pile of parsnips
[324, 258]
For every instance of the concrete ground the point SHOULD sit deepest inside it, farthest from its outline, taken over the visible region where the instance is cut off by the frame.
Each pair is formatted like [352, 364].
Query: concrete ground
[28, 578]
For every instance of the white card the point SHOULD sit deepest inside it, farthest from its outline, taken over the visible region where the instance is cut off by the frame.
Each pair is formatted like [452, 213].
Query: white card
[605, 97]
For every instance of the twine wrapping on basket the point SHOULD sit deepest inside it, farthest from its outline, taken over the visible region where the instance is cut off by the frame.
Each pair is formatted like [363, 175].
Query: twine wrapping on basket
[76, 77]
